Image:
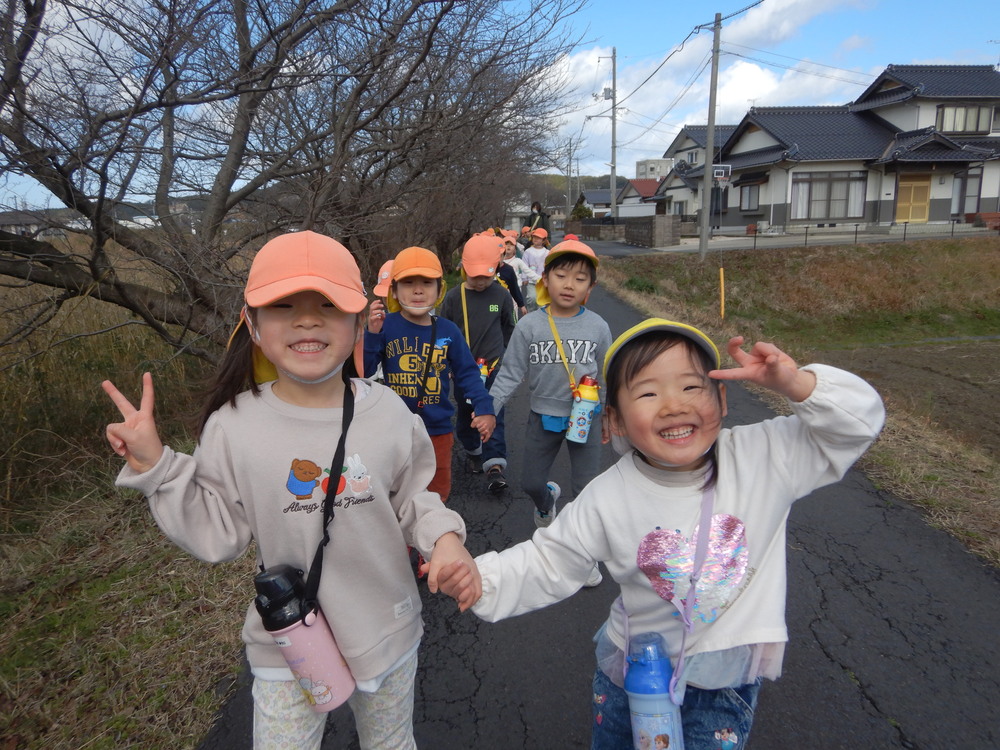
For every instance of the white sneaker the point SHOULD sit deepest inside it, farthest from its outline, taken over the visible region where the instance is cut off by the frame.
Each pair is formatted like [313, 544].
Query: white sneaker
[545, 519]
[595, 578]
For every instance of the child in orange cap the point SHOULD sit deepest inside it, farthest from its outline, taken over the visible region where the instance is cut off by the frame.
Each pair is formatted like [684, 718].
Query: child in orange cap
[534, 258]
[484, 312]
[258, 475]
[554, 348]
[421, 354]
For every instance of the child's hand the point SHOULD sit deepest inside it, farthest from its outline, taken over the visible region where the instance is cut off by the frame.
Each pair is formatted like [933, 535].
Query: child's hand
[135, 438]
[766, 365]
[376, 315]
[485, 424]
[452, 571]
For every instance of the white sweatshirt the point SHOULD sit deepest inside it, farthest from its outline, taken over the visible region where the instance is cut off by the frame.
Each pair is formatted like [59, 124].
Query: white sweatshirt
[258, 474]
[645, 532]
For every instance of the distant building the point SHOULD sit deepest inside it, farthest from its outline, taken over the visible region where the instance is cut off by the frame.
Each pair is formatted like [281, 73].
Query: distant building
[653, 169]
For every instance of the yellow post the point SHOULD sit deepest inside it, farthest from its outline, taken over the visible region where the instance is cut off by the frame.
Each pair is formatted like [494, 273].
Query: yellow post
[722, 292]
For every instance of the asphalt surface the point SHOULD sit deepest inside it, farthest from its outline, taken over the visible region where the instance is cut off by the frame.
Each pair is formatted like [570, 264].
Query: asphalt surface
[892, 629]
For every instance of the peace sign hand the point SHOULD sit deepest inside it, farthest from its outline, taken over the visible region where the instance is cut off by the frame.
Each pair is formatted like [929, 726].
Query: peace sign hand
[135, 439]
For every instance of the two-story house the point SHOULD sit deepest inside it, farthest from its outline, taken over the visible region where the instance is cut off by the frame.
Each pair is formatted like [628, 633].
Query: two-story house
[920, 145]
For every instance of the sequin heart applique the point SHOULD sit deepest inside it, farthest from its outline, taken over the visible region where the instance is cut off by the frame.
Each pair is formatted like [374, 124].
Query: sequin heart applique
[667, 558]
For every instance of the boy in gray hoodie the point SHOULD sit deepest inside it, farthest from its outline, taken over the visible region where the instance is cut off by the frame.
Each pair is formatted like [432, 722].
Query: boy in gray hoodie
[555, 347]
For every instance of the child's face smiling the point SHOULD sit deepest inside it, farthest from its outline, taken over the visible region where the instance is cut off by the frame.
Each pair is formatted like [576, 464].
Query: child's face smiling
[670, 411]
[305, 334]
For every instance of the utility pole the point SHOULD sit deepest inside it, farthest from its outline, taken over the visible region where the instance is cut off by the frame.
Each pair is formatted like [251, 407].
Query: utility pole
[614, 122]
[569, 180]
[707, 179]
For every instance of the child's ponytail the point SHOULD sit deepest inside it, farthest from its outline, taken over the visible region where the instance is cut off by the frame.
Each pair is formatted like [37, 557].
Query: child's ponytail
[233, 376]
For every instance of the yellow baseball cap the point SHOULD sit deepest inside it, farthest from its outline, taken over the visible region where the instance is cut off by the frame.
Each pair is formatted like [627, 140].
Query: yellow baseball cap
[652, 325]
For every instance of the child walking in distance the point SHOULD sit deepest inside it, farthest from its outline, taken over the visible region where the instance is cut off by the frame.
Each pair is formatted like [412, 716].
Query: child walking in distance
[691, 522]
[420, 354]
[555, 347]
[534, 258]
[484, 312]
[258, 475]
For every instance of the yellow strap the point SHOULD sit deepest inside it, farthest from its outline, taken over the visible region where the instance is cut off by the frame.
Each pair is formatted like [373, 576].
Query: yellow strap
[562, 352]
[465, 317]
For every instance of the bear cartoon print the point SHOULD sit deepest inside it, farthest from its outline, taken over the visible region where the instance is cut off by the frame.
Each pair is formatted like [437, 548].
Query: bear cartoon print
[303, 478]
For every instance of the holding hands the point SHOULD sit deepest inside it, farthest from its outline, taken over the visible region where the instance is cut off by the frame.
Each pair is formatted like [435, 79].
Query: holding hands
[485, 424]
[135, 439]
[767, 366]
[452, 571]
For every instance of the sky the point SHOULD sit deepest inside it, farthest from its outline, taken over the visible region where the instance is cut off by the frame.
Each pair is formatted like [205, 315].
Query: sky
[773, 53]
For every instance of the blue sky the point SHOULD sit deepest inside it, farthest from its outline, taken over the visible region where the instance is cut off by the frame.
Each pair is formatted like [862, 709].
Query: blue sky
[779, 52]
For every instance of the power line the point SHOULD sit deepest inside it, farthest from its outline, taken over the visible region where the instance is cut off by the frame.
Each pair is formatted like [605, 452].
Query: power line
[797, 70]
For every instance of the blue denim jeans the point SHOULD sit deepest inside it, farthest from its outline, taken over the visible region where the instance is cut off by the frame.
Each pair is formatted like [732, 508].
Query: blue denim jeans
[713, 719]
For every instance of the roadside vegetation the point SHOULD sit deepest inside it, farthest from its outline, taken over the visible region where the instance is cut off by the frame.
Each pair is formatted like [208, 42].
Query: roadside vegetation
[825, 303]
[114, 638]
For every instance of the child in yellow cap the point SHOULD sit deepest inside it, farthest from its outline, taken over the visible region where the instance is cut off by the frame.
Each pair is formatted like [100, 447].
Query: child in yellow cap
[262, 473]
[691, 521]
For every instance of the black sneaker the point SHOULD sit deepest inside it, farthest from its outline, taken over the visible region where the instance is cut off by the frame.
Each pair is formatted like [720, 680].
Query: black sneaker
[474, 464]
[497, 481]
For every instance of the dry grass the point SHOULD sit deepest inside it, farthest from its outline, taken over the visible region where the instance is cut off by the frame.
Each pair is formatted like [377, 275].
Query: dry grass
[819, 298]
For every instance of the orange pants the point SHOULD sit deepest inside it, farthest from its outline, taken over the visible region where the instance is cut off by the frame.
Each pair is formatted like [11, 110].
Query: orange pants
[441, 483]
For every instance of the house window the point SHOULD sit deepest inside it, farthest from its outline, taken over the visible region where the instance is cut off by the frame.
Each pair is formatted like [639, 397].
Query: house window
[828, 195]
[693, 157]
[749, 197]
[965, 192]
[996, 120]
[964, 118]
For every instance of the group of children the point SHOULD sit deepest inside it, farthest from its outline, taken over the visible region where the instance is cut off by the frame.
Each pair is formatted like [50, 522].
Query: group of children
[689, 522]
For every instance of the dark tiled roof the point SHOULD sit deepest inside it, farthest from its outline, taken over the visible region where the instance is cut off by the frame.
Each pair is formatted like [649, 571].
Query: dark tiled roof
[927, 145]
[931, 81]
[699, 134]
[597, 197]
[816, 133]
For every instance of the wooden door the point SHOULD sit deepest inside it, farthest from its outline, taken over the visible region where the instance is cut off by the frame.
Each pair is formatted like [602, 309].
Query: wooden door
[913, 198]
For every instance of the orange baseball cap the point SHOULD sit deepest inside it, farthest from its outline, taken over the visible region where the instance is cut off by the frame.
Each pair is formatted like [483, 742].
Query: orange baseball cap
[299, 262]
[381, 288]
[416, 261]
[572, 246]
[541, 232]
[481, 255]
[305, 261]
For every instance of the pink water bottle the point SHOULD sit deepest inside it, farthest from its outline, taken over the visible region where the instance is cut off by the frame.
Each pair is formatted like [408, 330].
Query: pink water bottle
[305, 638]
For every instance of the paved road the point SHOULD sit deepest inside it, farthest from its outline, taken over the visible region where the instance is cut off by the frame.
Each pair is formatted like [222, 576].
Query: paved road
[892, 625]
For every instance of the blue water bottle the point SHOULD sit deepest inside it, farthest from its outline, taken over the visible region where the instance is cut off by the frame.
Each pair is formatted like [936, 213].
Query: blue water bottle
[656, 720]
